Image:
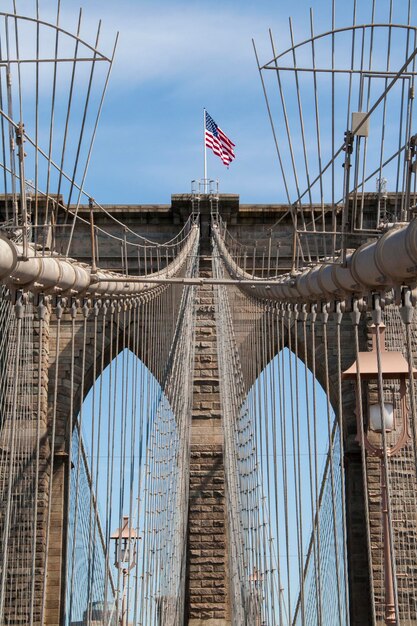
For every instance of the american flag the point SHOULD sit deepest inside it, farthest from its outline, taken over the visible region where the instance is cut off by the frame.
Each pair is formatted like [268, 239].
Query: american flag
[218, 141]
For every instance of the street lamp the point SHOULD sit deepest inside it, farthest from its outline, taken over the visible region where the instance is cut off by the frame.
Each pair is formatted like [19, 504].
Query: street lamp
[256, 581]
[125, 539]
[386, 419]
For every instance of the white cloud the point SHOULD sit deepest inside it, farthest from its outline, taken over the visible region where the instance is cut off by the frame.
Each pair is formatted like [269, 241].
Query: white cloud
[196, 46]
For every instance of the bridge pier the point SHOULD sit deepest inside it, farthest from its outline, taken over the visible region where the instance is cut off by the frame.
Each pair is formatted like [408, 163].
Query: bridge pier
[207, 581]
[24, 467]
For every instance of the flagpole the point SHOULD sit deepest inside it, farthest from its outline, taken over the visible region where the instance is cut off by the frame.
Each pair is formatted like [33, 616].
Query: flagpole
[205, 151]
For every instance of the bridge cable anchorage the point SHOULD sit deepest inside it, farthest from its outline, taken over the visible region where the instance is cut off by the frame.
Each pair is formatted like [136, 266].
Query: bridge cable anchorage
[367, 269]
[67, 276]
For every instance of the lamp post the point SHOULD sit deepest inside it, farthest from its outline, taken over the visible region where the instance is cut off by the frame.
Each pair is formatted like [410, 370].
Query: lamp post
[125, 539]
[386, 419]
[256, 580]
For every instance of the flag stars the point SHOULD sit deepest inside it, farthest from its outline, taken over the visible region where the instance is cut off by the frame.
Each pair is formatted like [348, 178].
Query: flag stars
[216, 140]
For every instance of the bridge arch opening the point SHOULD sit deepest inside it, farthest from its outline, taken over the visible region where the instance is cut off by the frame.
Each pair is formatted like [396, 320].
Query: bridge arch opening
[289, 459]
[127, 465]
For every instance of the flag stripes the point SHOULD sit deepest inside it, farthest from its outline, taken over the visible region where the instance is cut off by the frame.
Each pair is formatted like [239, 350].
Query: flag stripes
[216, 139]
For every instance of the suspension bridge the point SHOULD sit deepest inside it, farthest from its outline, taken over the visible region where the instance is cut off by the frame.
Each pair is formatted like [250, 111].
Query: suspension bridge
[208, 409]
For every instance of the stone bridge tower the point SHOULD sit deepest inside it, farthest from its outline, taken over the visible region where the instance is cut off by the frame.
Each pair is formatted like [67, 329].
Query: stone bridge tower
[207, 580]
[207, 561]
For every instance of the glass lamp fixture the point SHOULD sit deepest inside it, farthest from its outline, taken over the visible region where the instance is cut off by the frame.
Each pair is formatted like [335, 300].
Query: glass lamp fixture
[376, 422]
[393, 367]
[125, 539]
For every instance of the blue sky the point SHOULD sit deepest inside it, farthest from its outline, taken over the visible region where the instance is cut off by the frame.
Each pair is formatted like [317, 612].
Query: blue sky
[173, 59]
